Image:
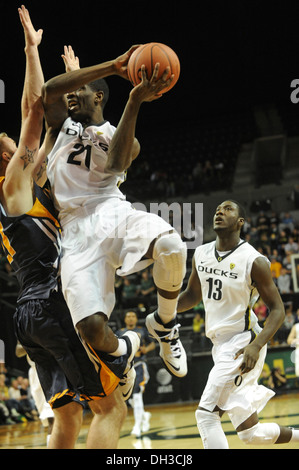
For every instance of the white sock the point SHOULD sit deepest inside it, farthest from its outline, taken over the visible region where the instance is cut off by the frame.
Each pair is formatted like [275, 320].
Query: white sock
[167, 308]
[295, 435]
[122, 348]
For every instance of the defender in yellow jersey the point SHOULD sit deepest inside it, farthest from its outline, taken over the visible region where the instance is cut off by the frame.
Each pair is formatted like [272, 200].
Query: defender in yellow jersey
[30, 235]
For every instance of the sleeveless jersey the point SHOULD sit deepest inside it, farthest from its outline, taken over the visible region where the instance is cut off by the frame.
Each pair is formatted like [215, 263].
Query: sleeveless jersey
[31, 243]
[227, 291]
[76, 167]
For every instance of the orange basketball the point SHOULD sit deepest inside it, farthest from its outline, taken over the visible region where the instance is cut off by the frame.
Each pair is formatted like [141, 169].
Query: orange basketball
[149, 55]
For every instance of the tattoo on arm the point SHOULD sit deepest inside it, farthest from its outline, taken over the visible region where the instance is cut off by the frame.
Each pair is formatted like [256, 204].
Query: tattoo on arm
[28, 157]
[41, 171]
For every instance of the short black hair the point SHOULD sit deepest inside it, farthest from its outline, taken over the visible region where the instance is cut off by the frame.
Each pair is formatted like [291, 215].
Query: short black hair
[242, 211]
[100, 85]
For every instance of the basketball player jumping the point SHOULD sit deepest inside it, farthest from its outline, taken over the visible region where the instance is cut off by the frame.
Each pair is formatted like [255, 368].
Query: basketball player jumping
[30, 235]
[102, 232]
[228, 275]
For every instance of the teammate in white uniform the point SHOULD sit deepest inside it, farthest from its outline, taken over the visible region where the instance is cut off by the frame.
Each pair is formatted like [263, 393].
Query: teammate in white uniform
[102, 232]
[228, 275]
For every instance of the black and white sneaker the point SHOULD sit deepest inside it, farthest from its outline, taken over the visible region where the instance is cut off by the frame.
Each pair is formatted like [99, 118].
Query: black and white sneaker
[172, 351]
[127, 381]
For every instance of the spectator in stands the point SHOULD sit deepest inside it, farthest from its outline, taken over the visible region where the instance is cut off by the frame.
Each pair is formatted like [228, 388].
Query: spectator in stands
[277, 380]
[147, 288]
[291, 246]
[265, 244]
[287, 263]
[198, 323]
[24, 407]
[26, 396]
[130, 293]
[275, 254]
[275, 267]
[8, 406]
[4, 414]
[261, 311]
[284, 282]
[262, 222]
[274, 219]
[282, 241]
[289, 319]
[274, 277]
[287, 222]
[273, 236]
[253, 237]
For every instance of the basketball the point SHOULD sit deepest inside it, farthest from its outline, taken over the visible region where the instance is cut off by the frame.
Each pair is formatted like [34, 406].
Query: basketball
[149, 55]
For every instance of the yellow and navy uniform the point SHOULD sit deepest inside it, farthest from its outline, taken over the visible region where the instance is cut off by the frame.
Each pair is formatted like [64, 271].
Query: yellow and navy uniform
[31, 243]
[42, 319]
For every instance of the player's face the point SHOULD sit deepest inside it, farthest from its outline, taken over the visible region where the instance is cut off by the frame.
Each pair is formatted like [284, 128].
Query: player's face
[227, 217]
[81, 103]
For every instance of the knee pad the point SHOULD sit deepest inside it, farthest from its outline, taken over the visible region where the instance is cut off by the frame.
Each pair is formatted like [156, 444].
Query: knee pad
[170, 255]
[210, 429]
[260, 434]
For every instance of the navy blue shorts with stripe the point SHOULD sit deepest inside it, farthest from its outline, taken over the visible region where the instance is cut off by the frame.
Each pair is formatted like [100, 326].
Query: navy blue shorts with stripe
[45, 329]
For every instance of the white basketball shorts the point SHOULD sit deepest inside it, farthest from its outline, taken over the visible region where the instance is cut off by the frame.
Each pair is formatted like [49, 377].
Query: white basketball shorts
[223, 388]
[114, 236]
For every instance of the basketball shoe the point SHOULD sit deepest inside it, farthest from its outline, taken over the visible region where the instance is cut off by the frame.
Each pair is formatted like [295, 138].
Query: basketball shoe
[172, 351]
[127, 381]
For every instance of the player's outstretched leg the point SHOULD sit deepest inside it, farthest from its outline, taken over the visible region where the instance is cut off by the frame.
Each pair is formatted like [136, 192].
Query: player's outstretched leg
[169, 270]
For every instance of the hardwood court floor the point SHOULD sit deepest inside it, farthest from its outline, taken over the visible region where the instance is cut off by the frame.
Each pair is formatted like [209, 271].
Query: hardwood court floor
[172, 427]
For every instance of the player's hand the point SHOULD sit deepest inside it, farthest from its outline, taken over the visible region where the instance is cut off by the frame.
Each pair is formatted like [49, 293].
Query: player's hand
[71, 61]
[250, 358]
[121, 62]
[149, 89]
[32, 37]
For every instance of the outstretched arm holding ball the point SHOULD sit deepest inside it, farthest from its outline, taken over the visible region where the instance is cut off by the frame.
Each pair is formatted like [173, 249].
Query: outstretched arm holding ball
[153, 69]
[149, 89]
[55, 90]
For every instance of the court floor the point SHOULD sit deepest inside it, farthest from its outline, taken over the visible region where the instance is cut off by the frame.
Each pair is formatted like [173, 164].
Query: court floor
[172, 427]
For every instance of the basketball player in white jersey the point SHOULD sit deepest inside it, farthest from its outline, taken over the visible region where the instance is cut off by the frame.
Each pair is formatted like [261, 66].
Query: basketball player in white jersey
[42, 320]
[102, 232]
[228, 275]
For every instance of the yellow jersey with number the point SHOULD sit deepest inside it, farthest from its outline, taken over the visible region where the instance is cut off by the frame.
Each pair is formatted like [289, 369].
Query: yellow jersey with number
[31, 243]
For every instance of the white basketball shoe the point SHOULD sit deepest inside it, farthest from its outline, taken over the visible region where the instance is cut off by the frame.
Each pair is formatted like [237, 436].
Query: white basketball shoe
[172, 351]
[127, 382]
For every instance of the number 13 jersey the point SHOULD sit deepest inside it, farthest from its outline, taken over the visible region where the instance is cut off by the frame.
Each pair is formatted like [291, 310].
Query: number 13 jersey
[227, 290]
[76, 167]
